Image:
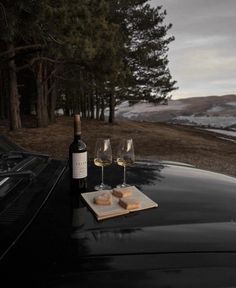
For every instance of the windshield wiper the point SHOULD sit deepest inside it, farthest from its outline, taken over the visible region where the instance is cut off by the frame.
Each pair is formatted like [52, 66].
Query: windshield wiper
[25, 153]
[27, 173]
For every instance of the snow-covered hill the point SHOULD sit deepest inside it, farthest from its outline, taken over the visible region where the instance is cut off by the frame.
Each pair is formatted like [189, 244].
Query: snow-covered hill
[211, 111]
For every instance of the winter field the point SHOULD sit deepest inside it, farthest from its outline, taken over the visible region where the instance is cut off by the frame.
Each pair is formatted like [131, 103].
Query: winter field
[215, 114]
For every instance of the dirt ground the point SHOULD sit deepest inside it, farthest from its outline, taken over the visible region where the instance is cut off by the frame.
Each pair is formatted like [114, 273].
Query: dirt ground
[152, 141]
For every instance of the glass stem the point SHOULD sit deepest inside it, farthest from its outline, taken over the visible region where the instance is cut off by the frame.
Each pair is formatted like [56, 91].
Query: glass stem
[124, 182]
[102, 176]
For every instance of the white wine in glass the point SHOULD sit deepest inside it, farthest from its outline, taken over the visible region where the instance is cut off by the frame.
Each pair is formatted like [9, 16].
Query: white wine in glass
[102, 158]
[125, 157]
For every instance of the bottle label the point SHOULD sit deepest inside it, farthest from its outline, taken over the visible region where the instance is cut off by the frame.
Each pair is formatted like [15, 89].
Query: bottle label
[79, 165]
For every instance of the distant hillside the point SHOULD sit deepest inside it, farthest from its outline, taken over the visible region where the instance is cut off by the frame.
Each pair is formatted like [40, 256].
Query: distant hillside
[214, 111]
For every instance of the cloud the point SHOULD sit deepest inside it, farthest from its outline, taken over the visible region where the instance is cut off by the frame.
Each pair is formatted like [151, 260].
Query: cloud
[203, 57]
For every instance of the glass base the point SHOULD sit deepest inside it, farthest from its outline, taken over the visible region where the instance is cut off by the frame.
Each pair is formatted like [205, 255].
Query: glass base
[102, 187]
[122, 185]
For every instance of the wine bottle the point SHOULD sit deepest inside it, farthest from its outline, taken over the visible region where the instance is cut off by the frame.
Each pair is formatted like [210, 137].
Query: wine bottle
[78, 160]
[78, 212]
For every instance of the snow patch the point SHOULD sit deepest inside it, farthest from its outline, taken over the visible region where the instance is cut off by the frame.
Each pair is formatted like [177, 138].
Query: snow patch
[231, 103]
[215, 109]
[227, 139]
[130, 111]
[210, 121]
[224, 132]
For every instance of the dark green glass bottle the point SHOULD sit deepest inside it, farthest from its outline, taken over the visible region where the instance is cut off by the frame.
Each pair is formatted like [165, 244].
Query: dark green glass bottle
[78, 160]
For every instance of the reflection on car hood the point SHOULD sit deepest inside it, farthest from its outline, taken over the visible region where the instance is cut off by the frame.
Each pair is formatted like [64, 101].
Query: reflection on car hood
[211, 237]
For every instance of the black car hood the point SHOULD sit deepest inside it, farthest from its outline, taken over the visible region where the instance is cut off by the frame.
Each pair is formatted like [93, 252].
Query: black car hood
[196, 213]
[185, 195]
[211, 237]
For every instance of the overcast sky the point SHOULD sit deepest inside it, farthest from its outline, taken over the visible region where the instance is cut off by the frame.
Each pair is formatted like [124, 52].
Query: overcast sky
[203, 55]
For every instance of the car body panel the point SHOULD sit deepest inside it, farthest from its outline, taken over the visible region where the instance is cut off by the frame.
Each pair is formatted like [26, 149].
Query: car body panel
[187, 241]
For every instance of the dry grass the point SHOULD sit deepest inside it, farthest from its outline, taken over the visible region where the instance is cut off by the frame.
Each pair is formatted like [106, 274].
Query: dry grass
[152, 141]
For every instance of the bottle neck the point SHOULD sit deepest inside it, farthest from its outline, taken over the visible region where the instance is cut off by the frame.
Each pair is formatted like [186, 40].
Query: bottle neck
[77, 128]
[77, 137]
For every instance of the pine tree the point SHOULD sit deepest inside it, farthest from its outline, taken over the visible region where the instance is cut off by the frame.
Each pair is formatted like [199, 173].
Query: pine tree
[146, 41]
[86, 54]
[18, 20]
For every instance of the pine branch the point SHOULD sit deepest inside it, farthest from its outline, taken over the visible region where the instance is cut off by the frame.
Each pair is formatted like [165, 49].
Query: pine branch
[20, 48]
[4, 13]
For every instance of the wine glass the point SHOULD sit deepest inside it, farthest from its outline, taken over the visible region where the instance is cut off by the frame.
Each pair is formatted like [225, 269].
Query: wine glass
[102, 158]
[125, 157]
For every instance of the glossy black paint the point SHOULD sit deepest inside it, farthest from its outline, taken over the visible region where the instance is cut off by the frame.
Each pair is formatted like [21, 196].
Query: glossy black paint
[188, 241]
[184, 194]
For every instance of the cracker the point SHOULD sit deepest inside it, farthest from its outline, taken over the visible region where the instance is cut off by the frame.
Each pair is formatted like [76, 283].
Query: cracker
[129, 203]
[122, 192]
[104, 198]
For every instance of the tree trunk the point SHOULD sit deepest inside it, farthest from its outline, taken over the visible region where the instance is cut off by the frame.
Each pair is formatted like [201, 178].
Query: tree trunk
[83, 106]
[102, 115]
[42, 111]
[1, 105]
[97, 104]
[2, 93]
[80, 103]
[111, 108]
[88, 106]
[15, 120]
[53, 101]
[6, 110]
[91, 105]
